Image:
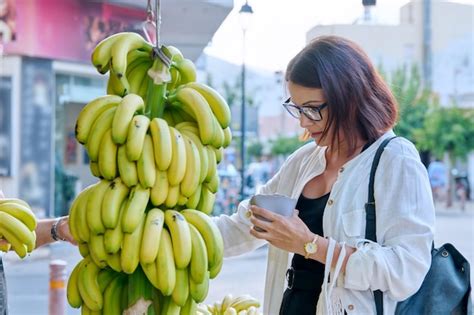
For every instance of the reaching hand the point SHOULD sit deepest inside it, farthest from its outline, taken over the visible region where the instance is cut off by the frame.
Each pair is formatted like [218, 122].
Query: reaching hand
[63, 230]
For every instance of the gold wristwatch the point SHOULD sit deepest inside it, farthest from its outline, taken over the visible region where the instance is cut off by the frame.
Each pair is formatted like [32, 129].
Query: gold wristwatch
[311, 247]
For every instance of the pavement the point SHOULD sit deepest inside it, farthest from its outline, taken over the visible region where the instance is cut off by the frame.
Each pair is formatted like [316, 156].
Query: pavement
[28, 284]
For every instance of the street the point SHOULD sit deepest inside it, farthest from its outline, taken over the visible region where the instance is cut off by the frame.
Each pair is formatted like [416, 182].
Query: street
[28, 280]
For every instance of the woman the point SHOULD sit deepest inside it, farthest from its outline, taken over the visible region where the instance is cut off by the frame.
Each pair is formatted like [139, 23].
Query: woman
[345, 107]
[47, 231]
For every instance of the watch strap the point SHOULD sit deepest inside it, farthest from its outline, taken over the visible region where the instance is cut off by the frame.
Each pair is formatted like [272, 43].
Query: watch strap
[54, 230]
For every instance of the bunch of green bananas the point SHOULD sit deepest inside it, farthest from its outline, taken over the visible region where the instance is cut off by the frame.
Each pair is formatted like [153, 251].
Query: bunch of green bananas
[154, 142]
[17, 226]
[241, 305]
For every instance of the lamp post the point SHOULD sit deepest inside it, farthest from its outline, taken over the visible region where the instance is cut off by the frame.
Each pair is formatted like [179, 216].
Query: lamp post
[245, 15]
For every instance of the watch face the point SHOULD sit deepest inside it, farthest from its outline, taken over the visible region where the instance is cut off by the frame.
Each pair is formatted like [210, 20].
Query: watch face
[310, 248]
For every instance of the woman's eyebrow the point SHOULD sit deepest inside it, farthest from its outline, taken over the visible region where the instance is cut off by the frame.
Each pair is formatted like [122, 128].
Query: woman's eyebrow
[312, 101]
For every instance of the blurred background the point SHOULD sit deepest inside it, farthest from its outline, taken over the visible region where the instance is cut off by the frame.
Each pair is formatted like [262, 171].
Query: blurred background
[423, 48]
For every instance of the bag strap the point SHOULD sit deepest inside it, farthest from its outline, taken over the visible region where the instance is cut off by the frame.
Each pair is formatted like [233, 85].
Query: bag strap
[370, 233]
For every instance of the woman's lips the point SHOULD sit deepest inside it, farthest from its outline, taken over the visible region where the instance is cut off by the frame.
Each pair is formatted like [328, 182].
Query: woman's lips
[316, 134]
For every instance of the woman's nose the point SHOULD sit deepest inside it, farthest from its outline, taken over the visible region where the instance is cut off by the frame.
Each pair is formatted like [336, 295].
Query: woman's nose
[305, 121]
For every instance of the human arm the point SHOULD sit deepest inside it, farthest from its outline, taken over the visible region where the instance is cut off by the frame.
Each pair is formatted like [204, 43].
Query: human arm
[44, 235]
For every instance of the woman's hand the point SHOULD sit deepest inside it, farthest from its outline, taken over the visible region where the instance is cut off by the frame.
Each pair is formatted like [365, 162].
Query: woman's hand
[63, 230]
[287, 233]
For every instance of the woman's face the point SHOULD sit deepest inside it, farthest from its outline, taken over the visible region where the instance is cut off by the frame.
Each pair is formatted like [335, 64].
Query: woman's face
[303, 96]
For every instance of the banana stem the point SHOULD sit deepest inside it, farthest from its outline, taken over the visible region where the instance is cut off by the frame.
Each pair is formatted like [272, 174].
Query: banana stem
[158, 76]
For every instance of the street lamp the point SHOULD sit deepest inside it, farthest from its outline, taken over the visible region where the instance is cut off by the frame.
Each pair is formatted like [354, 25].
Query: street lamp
[245, 15]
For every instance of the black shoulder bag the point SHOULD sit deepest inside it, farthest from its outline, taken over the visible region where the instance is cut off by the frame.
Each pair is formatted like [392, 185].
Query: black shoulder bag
[446, 288]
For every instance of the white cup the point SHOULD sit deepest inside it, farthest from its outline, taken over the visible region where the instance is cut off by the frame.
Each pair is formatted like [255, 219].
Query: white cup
[279, 204]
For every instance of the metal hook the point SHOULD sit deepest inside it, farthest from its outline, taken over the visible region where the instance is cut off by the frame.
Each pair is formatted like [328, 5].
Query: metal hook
[153, 19]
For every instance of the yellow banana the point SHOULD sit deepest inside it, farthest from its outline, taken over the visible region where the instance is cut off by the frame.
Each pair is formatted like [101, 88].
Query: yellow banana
[216, 102]
[14, 200]
[159, 191]
[5, 247]
[90, 113]
[102, 52]
[229, 311]
[108, 156]
[161, 136]
[190, 307]
[193, 201]
[83, 249]
[155, 219]
[172, 198]
[219, 152]
[212, 169]
[170, 307]
[134, 212]
[117, 86]
[72, 291]
[177, 168]
[113, 237]
[216, 269]
[114, 196]
[180, 236]
[203, 155]
[192, 175]
[199, 291]
[125, 110]
[196, 105]
[206, 202]
[80, 217]
[20, 212]
[146, 164]
[16, 233]
[94, 205]
[187, 70]
[165, 266]
[136, 136]
[227, 137]
[99, 128]
[181, 290]
[94, 167]
[73, 217]
[244, 302]
[182, 200]
[213, 184]
[97, 250]
[113, 296]
[226, 302]
[219, 137]
[89, 286]
[119, 50]
[210, 233]
[114, 261]
[199, 263]
[151, 273]
[130, 254]
[127, 169]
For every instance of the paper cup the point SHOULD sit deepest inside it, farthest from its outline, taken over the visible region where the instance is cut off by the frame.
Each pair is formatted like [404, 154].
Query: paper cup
[279, 204]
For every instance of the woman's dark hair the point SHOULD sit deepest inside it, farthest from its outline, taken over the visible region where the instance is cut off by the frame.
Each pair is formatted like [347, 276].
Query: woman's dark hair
[359, 101]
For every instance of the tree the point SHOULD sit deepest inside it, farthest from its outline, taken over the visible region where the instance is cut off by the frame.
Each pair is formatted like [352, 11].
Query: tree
[255, 149]
[414, 101]
[285, 145]
[447, 129]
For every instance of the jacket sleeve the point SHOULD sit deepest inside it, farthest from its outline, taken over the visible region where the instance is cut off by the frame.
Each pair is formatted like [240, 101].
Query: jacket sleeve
[235, 229]
[405, 218]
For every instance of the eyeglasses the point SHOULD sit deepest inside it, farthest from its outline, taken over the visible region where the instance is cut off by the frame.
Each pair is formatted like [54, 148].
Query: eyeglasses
[311, 112]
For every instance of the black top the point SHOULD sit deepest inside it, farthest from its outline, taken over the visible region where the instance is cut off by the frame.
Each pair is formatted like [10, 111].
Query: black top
[311, 213]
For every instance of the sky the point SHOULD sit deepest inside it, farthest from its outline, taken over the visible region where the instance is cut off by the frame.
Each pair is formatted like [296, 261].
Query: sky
[279, 27]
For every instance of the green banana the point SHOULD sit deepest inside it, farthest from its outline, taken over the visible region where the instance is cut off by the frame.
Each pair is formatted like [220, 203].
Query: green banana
[199, 291]
[72, 291]
[187, 70]
[121, 48]
[89, 286]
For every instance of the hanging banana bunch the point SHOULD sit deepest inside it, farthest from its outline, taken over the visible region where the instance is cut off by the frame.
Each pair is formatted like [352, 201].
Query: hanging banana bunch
[154, 142]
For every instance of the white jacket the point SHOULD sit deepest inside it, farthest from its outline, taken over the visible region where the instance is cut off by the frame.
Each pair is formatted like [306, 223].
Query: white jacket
[405, 227]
